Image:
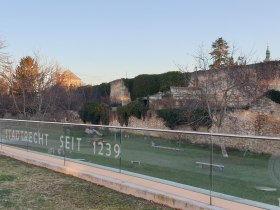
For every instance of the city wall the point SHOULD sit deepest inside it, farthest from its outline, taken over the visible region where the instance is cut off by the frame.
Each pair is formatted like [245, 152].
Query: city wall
[261, 117]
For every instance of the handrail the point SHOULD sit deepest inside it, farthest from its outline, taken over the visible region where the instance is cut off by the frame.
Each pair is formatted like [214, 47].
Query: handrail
[153, 129]
[124, 155]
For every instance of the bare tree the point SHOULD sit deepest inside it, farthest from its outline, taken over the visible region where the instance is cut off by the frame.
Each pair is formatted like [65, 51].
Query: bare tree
[33, 89]
[5, 101]
[218, 90]
[230, 87]
[254, 80]
[30, 85]
[45, 97]
[8, 76]
[3, 56]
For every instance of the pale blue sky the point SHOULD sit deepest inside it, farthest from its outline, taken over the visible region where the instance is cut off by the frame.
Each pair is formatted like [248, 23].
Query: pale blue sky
[103, 40]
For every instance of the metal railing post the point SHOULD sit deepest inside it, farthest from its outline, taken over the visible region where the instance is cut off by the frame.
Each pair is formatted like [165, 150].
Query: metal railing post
[120, 159]
[27, 143]
[211, 168]
[64, 151]
[1, 134]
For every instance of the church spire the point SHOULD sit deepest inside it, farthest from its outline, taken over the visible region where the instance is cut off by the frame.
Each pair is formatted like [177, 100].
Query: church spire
[267, 57]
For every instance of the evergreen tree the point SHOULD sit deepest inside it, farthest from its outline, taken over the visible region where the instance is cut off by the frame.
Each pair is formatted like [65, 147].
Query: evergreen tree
[220, 54]
[26, 76]
[25, 86]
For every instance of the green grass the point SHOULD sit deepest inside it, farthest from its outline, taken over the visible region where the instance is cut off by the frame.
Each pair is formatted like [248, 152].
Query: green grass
[37, 188]
[4, 177]
[5, 192]
[243, 172]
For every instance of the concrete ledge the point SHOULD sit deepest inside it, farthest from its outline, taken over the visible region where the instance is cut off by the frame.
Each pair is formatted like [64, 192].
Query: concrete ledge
[160, 193]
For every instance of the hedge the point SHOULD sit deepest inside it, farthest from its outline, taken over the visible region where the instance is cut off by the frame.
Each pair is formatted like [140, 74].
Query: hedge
[175, 117]
[149, 84]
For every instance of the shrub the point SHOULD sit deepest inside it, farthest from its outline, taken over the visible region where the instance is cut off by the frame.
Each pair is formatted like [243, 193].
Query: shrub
[194, 118]
[273, 95]
[95, 113]
[136, 108]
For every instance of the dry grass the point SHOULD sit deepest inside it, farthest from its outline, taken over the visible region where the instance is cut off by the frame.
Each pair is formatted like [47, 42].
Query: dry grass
[24, 186]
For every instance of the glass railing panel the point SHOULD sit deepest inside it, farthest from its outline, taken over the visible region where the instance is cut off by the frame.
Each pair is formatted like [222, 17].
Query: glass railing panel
[14, 133]
[167, 156]
[93, 144]
[246, 168]
[239, 168]
[45, 138]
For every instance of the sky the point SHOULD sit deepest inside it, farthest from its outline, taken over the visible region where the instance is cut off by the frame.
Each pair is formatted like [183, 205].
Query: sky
[104, 40]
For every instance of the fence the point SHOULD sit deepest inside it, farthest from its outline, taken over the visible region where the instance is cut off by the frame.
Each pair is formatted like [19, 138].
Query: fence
[240, 168]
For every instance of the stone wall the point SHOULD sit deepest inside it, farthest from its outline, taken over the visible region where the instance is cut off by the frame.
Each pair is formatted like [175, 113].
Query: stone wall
[151, 121]
[119, 93]
[261, 118]
[247, 122]
[243, 84]
[180, 93]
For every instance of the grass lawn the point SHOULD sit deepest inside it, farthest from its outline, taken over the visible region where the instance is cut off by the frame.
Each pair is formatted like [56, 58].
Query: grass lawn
[24, 186]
